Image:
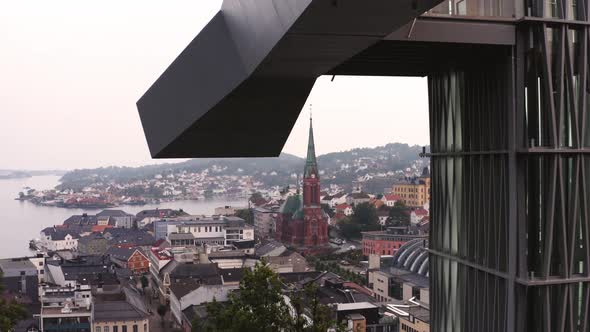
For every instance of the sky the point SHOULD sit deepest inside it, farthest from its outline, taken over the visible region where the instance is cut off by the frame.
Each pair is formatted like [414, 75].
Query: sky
[71, 72]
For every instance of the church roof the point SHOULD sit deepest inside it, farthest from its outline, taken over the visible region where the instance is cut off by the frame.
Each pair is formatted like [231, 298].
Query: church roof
[311, 165]
[292, 204]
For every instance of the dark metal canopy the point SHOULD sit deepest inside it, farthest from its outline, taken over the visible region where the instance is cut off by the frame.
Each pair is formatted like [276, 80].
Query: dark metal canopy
[238, 87]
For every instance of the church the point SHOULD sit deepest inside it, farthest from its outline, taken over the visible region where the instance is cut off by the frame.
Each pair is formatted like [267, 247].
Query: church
[301, 221]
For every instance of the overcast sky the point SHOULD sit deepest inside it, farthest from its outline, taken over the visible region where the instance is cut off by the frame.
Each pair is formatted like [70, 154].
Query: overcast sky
[71, 72]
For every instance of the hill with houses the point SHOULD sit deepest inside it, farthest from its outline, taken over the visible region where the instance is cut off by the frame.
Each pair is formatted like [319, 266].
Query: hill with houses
[375, 168]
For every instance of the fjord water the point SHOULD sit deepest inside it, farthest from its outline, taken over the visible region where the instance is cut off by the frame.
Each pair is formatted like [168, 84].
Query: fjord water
[22, 221]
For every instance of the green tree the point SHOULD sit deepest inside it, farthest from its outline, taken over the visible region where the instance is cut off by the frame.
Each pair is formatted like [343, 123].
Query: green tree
[259, 305]
[307, 304]
[247, 215]
[328, 210]
[349, 228]
[398, 215]
[363, 219]
[162, 309]
[10, 311]
[366, 215]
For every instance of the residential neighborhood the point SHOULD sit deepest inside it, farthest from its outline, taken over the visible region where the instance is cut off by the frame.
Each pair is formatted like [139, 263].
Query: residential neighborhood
[363, 252]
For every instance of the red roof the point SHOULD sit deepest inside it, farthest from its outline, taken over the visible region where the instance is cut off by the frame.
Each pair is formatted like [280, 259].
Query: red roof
[339, 216]
[392, 197]
[342, 206]
[100, 228]
[161, 254]
[421, 212]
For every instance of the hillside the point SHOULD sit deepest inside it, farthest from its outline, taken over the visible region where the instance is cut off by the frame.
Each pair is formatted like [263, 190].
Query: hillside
[337, 168]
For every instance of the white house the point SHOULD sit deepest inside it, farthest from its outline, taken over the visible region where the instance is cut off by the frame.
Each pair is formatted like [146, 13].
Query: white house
[334, 200]
[383, 216]
[53, 239]
[417, 215]
[344, 209]
[390, 199]
[180, 300]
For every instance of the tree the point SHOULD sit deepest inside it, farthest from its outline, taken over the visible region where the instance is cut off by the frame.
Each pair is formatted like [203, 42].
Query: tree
[363, 219]
[328, 210]
[366, 215]
[144, 282]
[261, 306]
[398, 214]
[162, 309]
[307, 304]
[246, 214]
[349, 228]
[10, 311]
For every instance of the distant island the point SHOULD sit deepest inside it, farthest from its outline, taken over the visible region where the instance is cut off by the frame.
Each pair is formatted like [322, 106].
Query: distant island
[21, 174]
[370, 169]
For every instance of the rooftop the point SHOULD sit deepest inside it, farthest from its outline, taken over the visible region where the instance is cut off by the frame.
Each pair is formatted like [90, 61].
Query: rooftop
[419, 312]
[113, 213]
[268, 246]
[16, 264]
[117, 311]
[182, 287]
[355, 306]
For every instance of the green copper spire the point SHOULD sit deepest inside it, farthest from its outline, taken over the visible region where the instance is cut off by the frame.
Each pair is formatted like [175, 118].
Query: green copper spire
[311, 165]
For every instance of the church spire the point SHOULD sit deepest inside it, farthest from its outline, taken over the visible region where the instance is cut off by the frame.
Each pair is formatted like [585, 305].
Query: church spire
[311, 165]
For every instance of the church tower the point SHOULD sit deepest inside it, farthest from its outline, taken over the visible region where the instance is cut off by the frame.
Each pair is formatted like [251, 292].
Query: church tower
[315, 223]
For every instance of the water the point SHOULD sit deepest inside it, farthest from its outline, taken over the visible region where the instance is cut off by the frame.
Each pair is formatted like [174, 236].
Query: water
[22, 221]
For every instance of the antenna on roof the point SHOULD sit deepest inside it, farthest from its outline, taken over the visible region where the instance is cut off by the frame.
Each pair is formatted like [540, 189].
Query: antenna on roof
[310, 111]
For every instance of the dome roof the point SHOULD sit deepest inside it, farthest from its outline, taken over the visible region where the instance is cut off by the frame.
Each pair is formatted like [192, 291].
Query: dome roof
[413, 256]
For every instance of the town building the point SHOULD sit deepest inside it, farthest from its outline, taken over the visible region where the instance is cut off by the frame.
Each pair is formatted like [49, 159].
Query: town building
[55, 239]
[118, 217]
[20, 277]
[390, 199]
[404, 277]
[345, 209]
[195, 284]
[389, 241]
[227, 210]
[357, 198]
[301, 221]
[200, 230]
[264, 222]
[96, 272]
[66, 308]
[286, 262]
[81, 220]
[125, 237]
[413, 317]
[129, 258]
[414, 192]
[93, 244]
[119, 316]
[146, 217]
[383, 216]
[333, 200]
[270, 247]
[417, 215]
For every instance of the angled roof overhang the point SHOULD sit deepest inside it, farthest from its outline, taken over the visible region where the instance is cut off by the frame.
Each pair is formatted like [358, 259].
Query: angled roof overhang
[238, 87]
